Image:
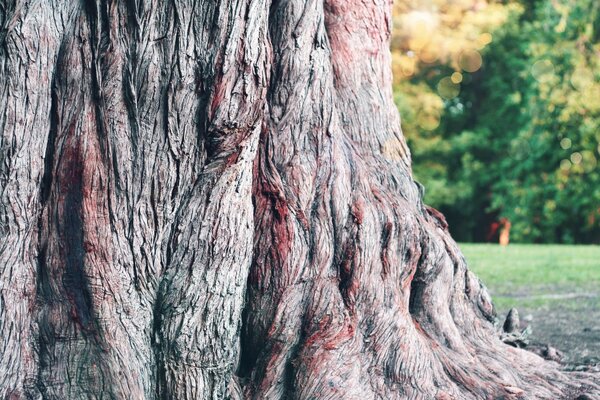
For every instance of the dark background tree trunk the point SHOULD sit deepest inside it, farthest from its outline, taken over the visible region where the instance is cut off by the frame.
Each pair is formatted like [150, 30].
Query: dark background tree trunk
[213, 199]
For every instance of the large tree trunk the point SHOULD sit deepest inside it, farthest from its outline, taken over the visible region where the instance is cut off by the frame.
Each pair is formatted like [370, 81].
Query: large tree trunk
[213, 199]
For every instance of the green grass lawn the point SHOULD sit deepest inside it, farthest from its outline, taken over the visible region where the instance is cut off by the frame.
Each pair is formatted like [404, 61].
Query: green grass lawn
[533, 275]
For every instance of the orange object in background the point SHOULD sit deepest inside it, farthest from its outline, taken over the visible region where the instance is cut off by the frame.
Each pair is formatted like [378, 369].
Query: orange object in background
[504, 232]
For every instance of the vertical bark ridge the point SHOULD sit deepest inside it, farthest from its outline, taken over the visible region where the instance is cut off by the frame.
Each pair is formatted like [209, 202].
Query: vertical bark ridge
[211, 252]
[293, 252]
[25, 94]
[84, 349]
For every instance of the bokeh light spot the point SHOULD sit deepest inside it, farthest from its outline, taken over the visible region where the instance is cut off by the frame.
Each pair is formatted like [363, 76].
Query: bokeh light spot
[520, 149]
[456, 77]
[428, 120]
[565, 143]
[428, 55]
[470, 60]
[422, 25]
[582, 78]
[448, 89]
[576, 158]
[565, 165]
[542, 70]
[408, 66]
[485, 38]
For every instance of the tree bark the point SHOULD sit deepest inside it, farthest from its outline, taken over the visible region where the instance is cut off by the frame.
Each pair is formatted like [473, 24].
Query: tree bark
[213, 199]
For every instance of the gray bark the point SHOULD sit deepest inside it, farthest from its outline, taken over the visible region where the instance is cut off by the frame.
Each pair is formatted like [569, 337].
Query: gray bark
[213, 199]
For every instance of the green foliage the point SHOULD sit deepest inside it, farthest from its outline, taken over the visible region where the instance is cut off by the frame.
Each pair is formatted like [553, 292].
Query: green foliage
[521, 138]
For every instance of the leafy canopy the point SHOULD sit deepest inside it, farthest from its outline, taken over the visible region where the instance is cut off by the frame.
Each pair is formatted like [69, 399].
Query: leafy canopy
[501, 107]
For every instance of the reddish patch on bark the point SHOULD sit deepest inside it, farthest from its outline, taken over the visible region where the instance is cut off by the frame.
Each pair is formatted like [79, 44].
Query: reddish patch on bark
[70, 174]
[319, 335]
[303, 220]
[282, 240]
[232, 158]
[15, 396]
[420, 329]
[281, 233]
[357, 32]
[342, 336]
[272, 212]
[281, 209]
[358, 211]
[218, 96]
[438, 217]
[443, 396]
[326, 335]
[346, 264]
[78, 199]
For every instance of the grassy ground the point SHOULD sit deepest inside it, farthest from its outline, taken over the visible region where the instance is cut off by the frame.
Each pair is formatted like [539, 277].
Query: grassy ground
[555, 287]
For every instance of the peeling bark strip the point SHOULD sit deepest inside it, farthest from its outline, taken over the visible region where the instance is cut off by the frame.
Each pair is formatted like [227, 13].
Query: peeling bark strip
[213, 199]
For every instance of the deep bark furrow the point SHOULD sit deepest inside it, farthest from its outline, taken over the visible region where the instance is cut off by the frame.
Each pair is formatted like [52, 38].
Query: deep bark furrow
[214, 199]
[25, 94]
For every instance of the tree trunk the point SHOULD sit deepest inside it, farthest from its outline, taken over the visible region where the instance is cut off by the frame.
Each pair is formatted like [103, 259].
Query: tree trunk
[213, 199]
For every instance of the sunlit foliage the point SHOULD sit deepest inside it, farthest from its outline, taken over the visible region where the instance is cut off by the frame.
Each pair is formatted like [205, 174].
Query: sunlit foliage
[517, 137]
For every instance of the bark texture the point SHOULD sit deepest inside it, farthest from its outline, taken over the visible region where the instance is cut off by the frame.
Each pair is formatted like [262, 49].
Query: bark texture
[209, 199]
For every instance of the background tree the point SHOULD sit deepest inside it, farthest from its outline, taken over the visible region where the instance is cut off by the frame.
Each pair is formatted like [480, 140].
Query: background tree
[208, 200]
[550, 180]
[517, 138]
